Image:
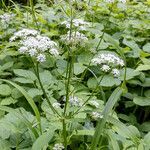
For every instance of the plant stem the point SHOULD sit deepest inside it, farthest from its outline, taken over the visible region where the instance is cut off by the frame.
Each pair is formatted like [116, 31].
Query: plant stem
[44, 92]
[33, 14]
[64, 133]
[89, 97]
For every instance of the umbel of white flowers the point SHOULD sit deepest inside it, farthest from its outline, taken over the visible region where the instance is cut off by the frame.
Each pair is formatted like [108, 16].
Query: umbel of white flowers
[74, 38]
[112, 1]
[76, 23]
[34, 44]
[6, 18]
[58, 146]
[109, 62]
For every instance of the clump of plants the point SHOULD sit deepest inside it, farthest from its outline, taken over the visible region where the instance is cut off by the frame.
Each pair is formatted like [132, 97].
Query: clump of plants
[74, 75]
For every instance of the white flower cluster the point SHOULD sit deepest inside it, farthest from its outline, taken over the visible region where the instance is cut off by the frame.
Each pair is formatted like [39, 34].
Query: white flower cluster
[6, 18]
[109, 62]
[77, 23]
[112, 1]
[96, 115]
[58, 146]
[56, 105]
[34, 44]
[74, 101]
[76, 37]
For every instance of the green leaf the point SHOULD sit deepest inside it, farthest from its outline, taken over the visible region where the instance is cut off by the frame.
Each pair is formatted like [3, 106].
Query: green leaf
[143, 67]
[147, 140]
[109, 81]
[33, 92]
[43, 140]
[8, 101]
[7, 66]
[25, 73]
[4, 145]
[141, 101]
[78, 68]
[5, 90]
[146, 47]
[23, 80]
[108, 108]
[130, 73]
[46, 78]
[28, 98]
[20, 117]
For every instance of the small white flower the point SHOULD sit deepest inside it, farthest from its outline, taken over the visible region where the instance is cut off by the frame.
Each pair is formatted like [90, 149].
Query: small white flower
[6, 18]
[76, 37]
[23, 49]
[78, 23]
[58, 146]
[115, 72]
[41, 58]
[32, 52]
[56, 105]
[95, 103]
[105, 68]
[96, 115]
[123, 1]
[110, 1]
[54, 51]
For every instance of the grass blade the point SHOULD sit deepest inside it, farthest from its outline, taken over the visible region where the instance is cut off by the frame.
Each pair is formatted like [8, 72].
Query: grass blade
[109, 105]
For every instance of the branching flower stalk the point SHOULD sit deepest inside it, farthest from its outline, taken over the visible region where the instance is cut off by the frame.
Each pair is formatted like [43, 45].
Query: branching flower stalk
[68, 77]
[43, 90]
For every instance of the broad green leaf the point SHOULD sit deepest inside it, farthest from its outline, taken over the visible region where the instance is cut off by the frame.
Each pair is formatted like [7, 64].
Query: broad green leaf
[8, 101]
[146, 47]
[5, 90]
[33, 92]
[141, 101]
[43, 140]
[46, 78]
[143, 67]
[109, 81]
[23, 80]
[7, 66]
[78, 68]
[20, 117]
[133, 45]
[130, 73]
[147, 140]
[28, 98]
[147, 93]
[5, 145]
[25, 73]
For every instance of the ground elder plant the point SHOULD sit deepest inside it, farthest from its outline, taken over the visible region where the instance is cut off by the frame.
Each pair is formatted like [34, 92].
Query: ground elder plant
[74, 75]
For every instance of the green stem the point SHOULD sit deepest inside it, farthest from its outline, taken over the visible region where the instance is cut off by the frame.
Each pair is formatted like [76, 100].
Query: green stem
[44, 92]
[33, 14]
[64, 133]
[98, 83]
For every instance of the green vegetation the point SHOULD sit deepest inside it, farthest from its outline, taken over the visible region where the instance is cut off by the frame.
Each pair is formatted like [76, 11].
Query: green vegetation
[75, 75]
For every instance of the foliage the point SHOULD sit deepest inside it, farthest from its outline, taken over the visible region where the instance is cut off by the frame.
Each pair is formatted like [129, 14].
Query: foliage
[76, 100]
